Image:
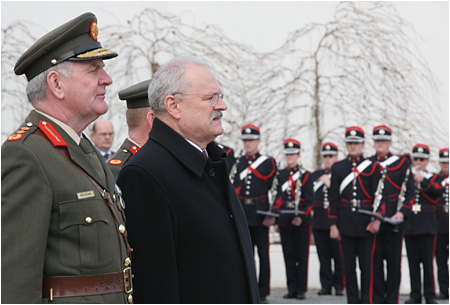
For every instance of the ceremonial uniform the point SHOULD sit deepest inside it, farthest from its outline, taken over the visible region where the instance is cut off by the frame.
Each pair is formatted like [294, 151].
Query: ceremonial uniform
[252, 178]
[328, 249]
[354, 181]
[295, 240]
[398, 184]
[136, 97]
[442, 231]
[421, 231]
[63, 232]
[57, 225]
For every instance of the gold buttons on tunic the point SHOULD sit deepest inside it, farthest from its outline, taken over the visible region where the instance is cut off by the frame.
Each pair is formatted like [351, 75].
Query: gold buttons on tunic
[130, 299]
[122, 229]
[127, 262]
[88, 219]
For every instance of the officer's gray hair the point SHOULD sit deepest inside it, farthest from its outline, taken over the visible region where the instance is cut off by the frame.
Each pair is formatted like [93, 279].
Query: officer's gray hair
[169, 79]
[37, 87]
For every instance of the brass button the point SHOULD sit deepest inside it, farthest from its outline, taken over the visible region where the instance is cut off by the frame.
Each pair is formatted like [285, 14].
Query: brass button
[122, 229]
[127, 262]
[130, 299]
[29, 124]
[133, 147]
[125, 150]
[88, 219]
[44, 123]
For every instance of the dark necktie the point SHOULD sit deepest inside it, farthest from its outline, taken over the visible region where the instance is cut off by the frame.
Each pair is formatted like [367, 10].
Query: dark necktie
[92, 157]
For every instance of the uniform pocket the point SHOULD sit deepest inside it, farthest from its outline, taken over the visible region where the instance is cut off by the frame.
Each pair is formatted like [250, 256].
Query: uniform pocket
[85, 233]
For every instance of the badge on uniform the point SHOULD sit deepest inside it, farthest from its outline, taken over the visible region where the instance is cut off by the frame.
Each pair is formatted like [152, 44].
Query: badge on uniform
[119, 197]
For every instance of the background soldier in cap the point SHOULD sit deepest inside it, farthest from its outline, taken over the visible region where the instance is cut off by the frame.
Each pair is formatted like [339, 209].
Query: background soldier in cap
[442, 233]
[398, 194]
[102, 136]
[139, 120]
[421, 230]
[190, 238]
[294, 203]
[252, 176]
[354, 182]
[328, 249]
[231, 159]
[61, 233]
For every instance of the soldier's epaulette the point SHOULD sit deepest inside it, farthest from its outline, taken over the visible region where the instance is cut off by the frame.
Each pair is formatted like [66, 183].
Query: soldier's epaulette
[23, 132]
[54, 137]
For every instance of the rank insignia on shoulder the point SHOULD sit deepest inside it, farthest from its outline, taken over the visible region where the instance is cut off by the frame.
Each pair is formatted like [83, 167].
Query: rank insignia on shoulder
[52, 134]
[15, 137]
[115, 162]
[134, 149]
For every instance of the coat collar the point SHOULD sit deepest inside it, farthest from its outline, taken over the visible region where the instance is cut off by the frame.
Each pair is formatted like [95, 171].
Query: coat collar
[187, 154]
[75, 152]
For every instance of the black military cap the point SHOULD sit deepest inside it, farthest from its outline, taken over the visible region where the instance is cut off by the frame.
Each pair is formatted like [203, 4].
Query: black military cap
[421, 151]
[443, 155]
[136, 95]
[382, 133]
[75, 40]
[329, 149]
[249, 132]
[354, 134]
[291, 147]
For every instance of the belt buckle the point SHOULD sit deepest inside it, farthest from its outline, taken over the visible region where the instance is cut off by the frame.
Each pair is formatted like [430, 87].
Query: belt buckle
[248, 201]
[127, 280]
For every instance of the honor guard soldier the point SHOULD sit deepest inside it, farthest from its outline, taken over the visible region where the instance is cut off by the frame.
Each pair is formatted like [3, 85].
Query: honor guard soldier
[354, 182]
[421, 231]
[63, 232]
[139, 120]
[253, 176]
[328, 249]
[398, 194]
[442, 223]
[294, 203]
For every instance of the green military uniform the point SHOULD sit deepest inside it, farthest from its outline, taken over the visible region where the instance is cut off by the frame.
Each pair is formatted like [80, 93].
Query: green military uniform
[61, 241]
[136, 96]
[118, 160]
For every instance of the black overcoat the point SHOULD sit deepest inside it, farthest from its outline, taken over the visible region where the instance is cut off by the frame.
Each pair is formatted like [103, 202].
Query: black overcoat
[186, 225]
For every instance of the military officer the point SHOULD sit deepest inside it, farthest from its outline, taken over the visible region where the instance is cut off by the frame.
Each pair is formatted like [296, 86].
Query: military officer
[354, 181]
[442, 223]
[139, 121]
[420, 235]
[398, 193]
[63, 232]
[328, 249]
[294, 203]
[253, 176]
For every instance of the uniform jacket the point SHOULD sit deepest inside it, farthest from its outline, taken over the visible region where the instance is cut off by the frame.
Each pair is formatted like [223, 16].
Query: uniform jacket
[187, 228]
[394, 178]
[286, 194]
[320, 211]
[255, 186]
[428, 193]
[351, 223]
[118, 160]
[46, 200]
[442, 208]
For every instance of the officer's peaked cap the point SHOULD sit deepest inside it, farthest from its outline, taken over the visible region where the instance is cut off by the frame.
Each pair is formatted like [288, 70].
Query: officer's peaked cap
[136, 95]
[443, 155]
[75, 40]
[421, 151]
[328, 149]
[354, 134]
[382, 133]
[291, 146]
[250, 132]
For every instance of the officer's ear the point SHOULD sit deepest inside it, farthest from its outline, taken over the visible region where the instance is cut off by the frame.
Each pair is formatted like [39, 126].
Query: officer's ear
[171, 103]
[55, 84]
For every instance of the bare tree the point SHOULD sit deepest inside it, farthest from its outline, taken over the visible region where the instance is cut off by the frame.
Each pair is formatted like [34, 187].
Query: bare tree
[362, 68]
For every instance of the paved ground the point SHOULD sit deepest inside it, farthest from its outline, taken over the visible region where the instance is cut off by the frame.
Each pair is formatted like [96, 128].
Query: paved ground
[312, 298]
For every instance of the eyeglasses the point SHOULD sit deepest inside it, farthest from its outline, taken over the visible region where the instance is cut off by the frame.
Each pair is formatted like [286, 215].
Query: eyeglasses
[419, 159]
[106, 134]
[212, 98]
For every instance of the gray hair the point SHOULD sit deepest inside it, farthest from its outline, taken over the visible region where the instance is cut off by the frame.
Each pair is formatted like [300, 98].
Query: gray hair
[37, 86]
[169, 79]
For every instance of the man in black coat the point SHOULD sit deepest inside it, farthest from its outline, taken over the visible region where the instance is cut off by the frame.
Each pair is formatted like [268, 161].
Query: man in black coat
[185, 223]
[328, 249]
[398, 193]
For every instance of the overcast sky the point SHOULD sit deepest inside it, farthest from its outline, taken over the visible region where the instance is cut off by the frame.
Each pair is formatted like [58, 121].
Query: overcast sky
[263, 25]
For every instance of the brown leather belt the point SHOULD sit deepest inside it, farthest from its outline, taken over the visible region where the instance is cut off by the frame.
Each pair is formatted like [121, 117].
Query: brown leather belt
[72, 286]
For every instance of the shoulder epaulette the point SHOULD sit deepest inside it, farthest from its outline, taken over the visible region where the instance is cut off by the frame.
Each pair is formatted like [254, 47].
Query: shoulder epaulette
[54, 137]
[22, 132]
[134, 149]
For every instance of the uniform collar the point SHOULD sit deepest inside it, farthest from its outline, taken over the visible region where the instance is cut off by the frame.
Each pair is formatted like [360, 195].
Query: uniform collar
[383, 158]
[355, 159]
[70, 132]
